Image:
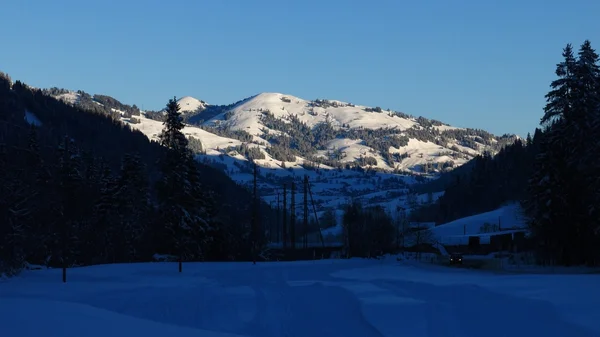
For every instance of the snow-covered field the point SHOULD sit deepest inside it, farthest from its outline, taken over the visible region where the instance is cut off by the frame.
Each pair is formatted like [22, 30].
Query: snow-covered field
[347, 298]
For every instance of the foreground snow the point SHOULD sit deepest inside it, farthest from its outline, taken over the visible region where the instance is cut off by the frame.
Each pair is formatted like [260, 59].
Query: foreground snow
[360, 298]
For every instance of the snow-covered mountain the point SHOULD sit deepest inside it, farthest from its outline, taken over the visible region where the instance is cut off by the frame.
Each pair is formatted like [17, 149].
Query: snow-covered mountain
[348, 151]
[288, 130]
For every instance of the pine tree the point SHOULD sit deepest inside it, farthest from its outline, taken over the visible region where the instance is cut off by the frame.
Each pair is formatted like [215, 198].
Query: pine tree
[105, 219]
[14, 214]
[41, 204]
[186, 219]
[588, 120]
[201, 202]
[70, 186]
[548, 187]
[328, 219]
[560, 197]
[133, 205]
[560, 98]
[546, 202]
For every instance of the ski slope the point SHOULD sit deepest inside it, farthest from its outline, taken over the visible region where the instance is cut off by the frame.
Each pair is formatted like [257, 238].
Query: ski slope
[351, 298]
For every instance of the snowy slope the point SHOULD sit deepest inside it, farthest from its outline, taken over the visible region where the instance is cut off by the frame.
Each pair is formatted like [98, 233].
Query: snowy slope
[350, 298]
[210, 141]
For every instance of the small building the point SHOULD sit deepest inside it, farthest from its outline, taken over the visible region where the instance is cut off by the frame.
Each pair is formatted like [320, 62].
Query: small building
[514, 240]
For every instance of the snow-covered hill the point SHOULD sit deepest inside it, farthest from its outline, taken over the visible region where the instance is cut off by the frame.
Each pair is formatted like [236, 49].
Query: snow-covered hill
[348, 151]
[343, 134]
[191, 104]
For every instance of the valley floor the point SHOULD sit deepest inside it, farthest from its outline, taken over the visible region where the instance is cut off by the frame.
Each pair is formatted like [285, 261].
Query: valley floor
[361, 298]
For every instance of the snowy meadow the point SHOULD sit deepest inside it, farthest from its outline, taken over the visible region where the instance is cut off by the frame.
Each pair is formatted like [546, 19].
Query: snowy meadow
[356, 297]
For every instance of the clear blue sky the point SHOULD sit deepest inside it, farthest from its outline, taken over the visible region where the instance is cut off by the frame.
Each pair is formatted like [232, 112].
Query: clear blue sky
[480, 63]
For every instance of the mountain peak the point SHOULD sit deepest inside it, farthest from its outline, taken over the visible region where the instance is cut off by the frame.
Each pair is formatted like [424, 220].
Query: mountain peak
[191, 104]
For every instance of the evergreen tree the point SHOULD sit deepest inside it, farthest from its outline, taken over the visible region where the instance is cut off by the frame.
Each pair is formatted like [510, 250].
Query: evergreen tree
[70, 187]
[370, 231]
[186, 219]
[588, 99]
[562, 191]
[14, 197]
[328, 219]
[133, 205]
[560, 98]
[546, 202]
[548, 197]
[103, 235]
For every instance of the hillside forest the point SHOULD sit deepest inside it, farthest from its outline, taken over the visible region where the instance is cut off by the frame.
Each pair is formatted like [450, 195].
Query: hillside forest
[78, 187]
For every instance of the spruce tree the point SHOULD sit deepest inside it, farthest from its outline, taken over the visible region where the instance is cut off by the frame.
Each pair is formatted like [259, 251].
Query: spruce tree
[70, 187]
[546, 203]
[185, 216]
[588, 99]
[560, 98]
[133, 205]
[561, 191]
[548, 187]
[105, 219]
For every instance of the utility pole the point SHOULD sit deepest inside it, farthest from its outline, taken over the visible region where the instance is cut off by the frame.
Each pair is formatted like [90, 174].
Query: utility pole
[398, 220]
[65, 224]
[293, 217]
[271, 221]
[277, 217]
[312, 201]
[305, 243]
[284, 234]
[254, 230]
[403, 221]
